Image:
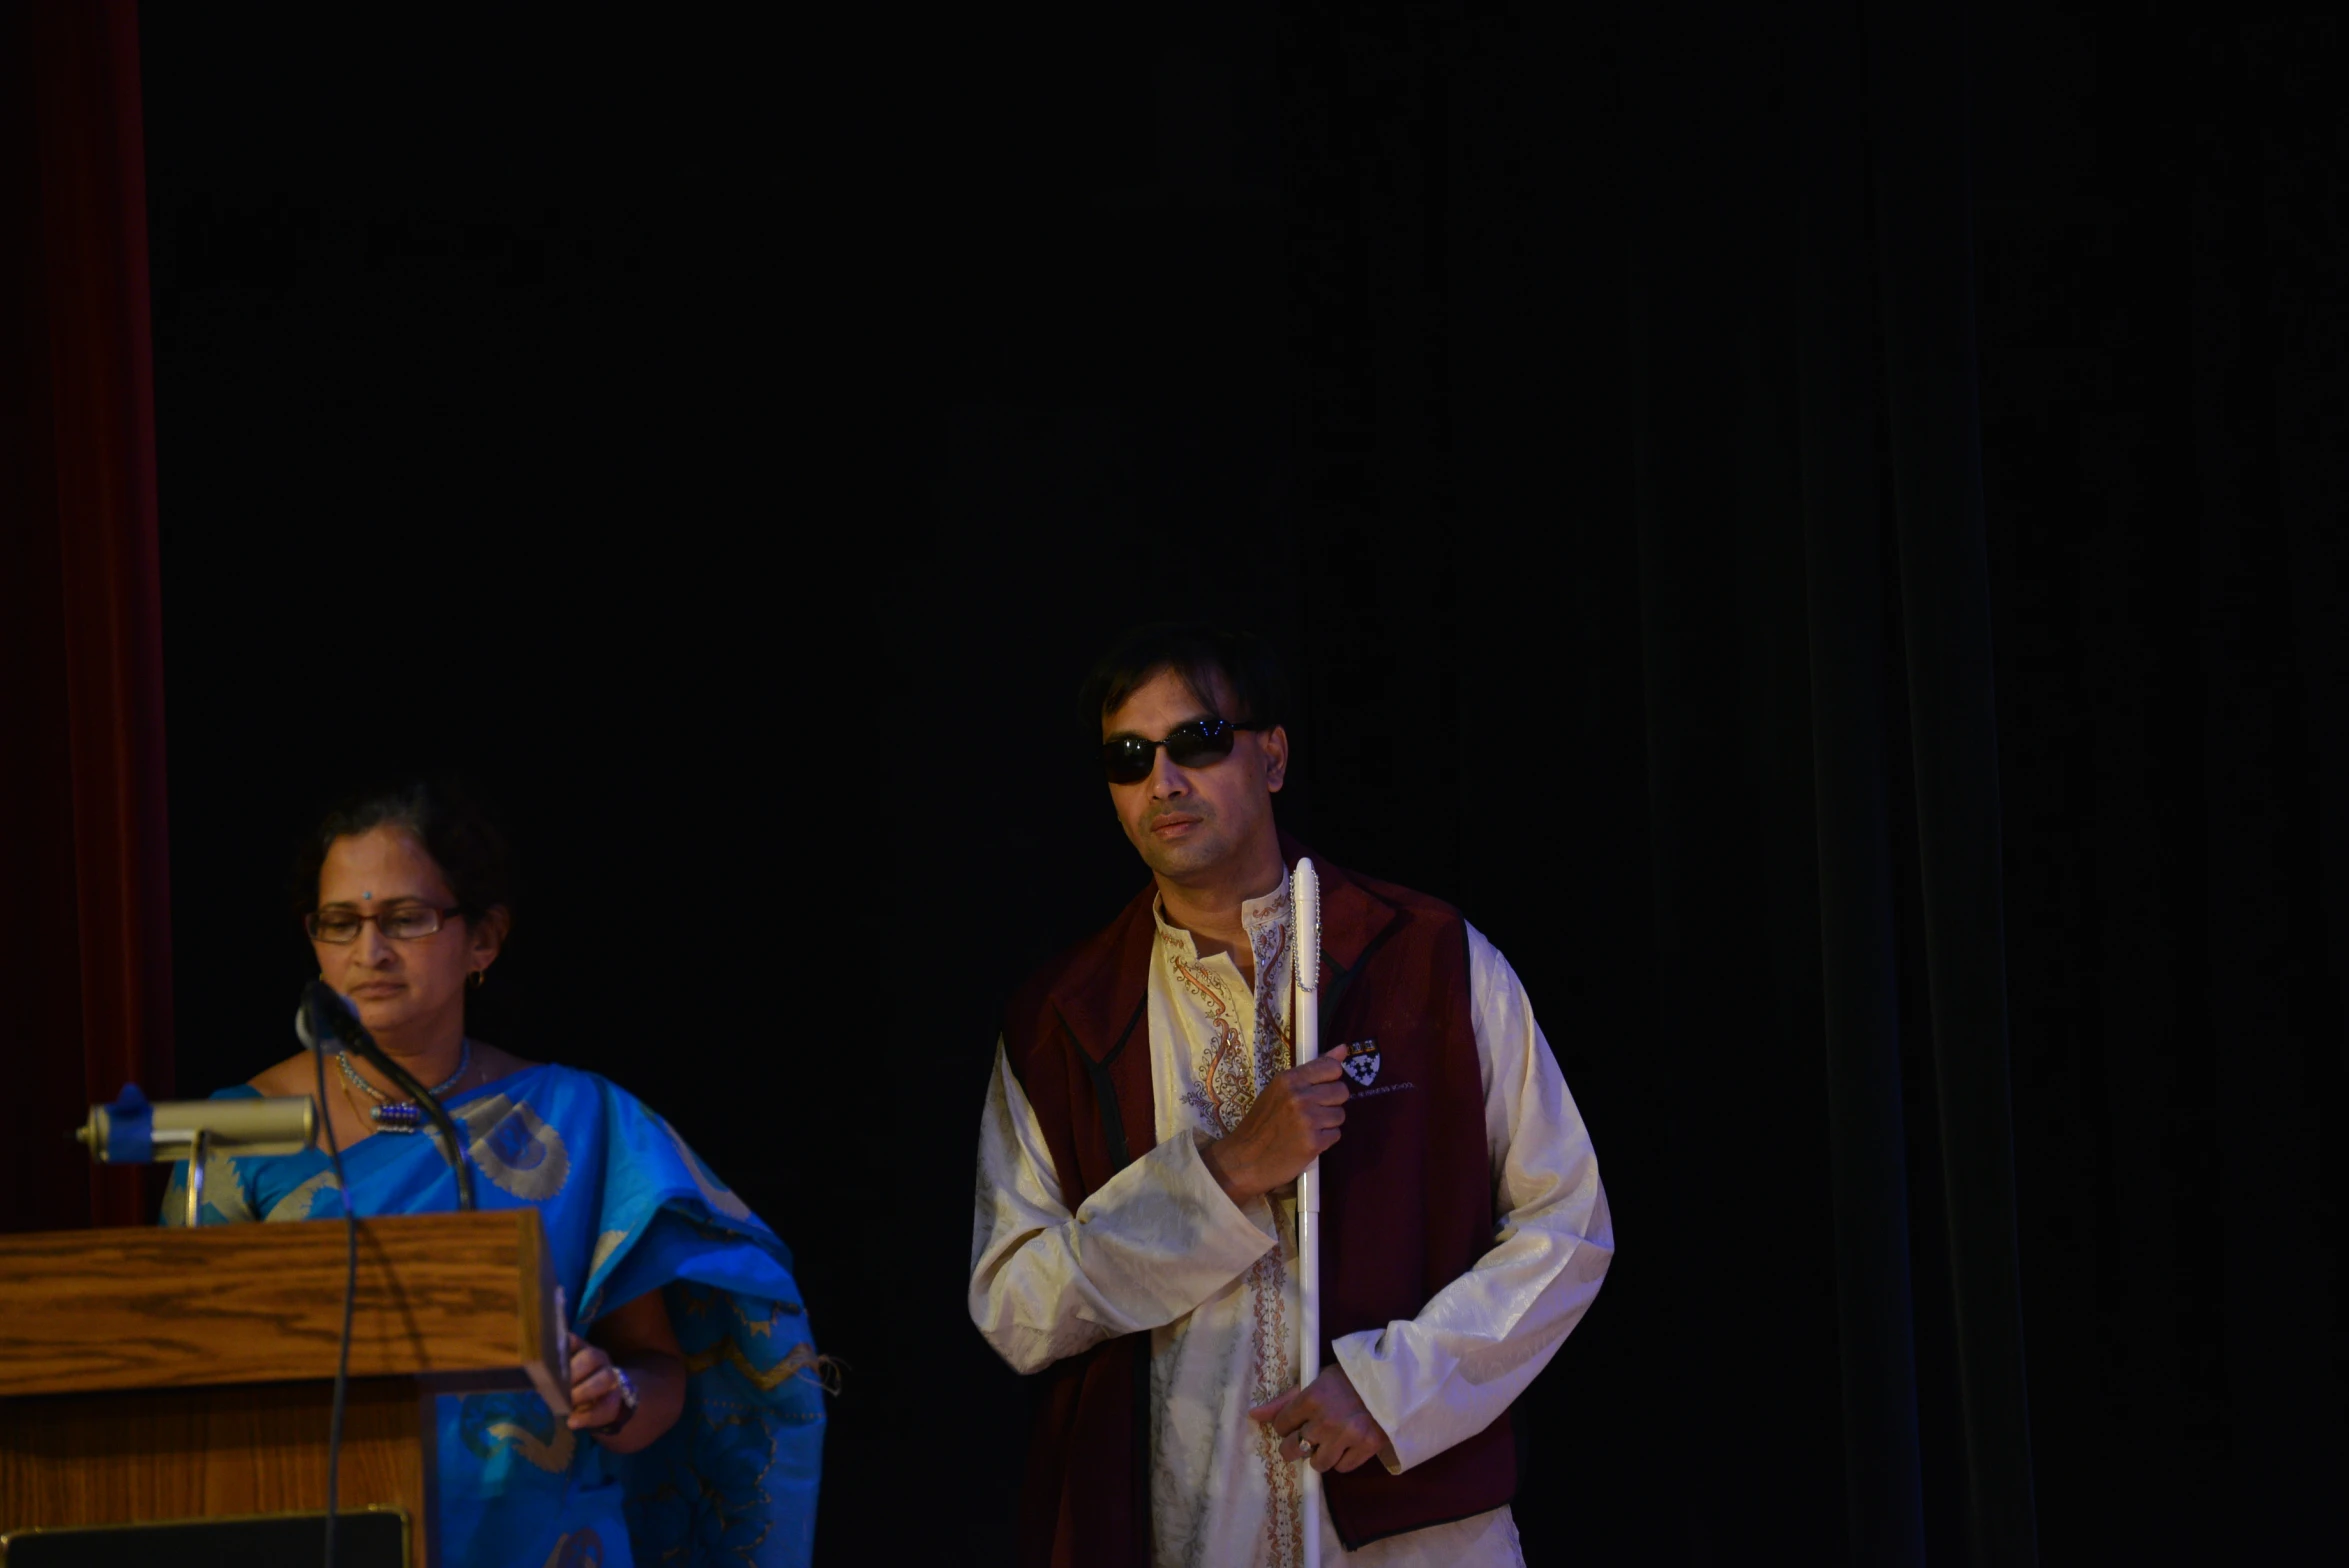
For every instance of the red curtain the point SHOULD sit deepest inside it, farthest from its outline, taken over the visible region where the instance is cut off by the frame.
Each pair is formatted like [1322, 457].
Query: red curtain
[85, 937]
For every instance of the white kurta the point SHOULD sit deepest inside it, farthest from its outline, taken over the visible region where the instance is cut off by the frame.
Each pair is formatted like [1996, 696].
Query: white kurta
[1160, 1248]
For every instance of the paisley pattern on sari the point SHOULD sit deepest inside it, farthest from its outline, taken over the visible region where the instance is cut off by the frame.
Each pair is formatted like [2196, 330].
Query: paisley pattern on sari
[628, 1208]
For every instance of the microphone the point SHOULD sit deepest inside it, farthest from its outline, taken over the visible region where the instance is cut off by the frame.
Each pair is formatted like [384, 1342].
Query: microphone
[326, 1016]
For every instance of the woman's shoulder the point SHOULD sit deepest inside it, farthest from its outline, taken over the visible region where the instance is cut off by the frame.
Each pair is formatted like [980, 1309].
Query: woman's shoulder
[505, 1064]
[548, 1085]
[294, 1075]
[497, 1066]
[494, 1064]
[585, 1090]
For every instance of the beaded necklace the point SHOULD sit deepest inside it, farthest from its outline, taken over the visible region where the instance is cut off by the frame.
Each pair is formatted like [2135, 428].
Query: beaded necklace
[390, 1115]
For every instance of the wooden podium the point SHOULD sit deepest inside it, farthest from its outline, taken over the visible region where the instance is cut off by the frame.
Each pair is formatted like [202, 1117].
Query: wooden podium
[189, 1374]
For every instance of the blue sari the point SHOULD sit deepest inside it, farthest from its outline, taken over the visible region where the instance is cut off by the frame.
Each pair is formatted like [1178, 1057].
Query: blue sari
[628, 1208]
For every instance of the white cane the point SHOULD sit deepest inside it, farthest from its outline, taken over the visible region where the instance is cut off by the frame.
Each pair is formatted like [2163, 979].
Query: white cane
[1305, 1029]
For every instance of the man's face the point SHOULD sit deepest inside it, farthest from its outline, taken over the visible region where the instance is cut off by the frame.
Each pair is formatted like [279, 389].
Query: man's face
[1190, 822]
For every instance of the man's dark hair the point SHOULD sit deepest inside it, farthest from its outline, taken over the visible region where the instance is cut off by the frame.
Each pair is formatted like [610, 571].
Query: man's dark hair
[442, 816]
[1199, 653]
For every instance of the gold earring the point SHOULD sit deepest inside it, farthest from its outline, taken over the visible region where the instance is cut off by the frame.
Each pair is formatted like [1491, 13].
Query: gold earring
[475, 980]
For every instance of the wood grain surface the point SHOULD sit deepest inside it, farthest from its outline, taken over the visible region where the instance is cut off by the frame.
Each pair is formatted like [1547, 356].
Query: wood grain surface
[234, 1304]
[202, 1453]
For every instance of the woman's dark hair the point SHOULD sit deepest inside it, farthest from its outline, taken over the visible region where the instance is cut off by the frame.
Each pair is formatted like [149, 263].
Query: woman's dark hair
[443, 817]
[1199, 653]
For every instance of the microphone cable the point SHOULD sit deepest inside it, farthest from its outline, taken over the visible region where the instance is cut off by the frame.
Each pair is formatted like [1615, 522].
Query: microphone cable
[342, 1366]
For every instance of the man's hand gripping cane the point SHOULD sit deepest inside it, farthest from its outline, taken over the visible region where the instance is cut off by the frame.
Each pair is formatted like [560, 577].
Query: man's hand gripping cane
[1330, 1416]
[1296, 1117]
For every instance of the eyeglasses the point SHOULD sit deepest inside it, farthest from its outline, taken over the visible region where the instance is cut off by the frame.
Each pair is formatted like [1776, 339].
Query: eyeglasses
[404, 924]
[1128, 759]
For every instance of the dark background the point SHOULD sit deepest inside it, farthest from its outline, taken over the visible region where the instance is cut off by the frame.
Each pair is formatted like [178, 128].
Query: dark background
[731, 448]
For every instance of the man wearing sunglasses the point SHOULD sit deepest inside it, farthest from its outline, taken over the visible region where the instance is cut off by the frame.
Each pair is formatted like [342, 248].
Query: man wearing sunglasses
[1135, 1239]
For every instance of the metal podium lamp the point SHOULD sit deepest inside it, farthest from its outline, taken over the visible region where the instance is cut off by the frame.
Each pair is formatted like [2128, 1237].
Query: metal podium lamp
[133, 1131]
[1305, 1032]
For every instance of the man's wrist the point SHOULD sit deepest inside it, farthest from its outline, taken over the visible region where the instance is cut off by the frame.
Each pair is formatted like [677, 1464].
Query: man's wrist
[1354, 1357]
[1219, 1162]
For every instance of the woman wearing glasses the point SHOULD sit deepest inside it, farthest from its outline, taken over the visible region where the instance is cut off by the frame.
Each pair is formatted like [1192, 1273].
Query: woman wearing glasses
[696, 1414]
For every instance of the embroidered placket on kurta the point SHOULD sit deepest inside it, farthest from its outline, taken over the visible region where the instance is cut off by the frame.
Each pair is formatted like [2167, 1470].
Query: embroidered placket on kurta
[1228, 1039]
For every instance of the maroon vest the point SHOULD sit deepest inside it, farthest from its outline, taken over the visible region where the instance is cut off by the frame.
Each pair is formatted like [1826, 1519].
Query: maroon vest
[1407, 1202]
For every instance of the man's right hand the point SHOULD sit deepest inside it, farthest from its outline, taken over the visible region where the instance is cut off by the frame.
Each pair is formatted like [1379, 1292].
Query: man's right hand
[1294, 1119]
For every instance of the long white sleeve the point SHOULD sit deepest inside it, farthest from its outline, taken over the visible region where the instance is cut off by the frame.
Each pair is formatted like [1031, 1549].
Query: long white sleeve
[1159, 1238]
[1448, 1373]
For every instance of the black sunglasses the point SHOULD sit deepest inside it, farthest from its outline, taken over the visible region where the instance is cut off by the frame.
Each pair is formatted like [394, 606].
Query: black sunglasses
[1129, 758]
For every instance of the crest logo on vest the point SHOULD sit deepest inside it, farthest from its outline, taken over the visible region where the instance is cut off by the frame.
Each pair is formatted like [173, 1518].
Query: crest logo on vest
[1361, 1063]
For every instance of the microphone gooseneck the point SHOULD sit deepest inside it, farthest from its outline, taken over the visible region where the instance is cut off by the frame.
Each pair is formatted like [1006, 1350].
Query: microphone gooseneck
[325, 1016]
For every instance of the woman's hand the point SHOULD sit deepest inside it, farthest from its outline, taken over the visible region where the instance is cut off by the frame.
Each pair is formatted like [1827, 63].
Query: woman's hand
[595, 1386]
[638, 1336]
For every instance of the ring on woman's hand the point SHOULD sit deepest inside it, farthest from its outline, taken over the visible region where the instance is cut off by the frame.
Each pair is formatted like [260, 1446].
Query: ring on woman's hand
[1305, 1446]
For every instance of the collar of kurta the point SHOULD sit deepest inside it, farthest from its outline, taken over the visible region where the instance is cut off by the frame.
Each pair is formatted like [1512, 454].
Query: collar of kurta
[1265, 912]
[1100, 1017]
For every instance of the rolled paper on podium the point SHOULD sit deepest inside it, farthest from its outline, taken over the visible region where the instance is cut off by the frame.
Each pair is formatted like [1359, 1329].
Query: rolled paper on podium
[133, 1131]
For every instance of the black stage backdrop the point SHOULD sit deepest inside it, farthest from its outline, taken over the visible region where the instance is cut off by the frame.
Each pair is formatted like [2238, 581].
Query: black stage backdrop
[730, 451]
